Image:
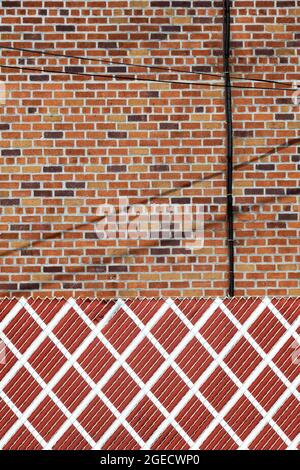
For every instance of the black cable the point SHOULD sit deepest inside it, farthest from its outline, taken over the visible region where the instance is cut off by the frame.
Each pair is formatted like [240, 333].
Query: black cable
[138, 79]
[229, 144]
[113, 62]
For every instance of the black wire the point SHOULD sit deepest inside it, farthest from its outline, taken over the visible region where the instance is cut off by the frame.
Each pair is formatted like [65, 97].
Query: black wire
[229, 145]
[138, 79]
[113, 62]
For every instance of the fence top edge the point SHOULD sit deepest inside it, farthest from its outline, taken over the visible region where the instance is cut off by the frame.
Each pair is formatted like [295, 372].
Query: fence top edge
[107, 299]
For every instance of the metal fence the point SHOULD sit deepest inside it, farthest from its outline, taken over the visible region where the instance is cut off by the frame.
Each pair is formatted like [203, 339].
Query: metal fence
[150, 374]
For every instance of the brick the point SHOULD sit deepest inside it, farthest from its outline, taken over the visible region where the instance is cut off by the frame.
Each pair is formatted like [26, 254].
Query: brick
[9, 202]
[29, 286]
[53, 135]
[10, 152]
[11, 4]
[39, 78]
[137, 118]
[52, 169]
[52, 269]
[117, 168]
[118, 269]
[267, 52]
[285, 117]
[288, 217]
[8, 287]
[117, 135]
[65, 28]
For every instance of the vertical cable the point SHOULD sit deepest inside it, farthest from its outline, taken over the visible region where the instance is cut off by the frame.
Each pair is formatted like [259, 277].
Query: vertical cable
[229, 143]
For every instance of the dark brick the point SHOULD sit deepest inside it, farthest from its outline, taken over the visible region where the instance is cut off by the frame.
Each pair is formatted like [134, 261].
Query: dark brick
[288, 216]
[170, 242]
[160, 4]
[243, 134]
[237, 44]
[4, 127]
[171, 29]
[53, 135]
[201, 68]
[181, 200]
[285, 3]
[52, 269]
[39, 78]
[118, 269]
[283, 100]
[293, 191]
[90, 236]
[11, 4]
[42, 193]
[65, 28]
[116, 168]
[32, 110]
[19, 228]
[137, 117]
[254, 191]
[29, 286]
[72, 285]
[107, 45]
[30, 185]
[74, 69]
[117, 135]
[284, 117]
[203, 4]
[64, 193]
[76, 185]
[158, 36]
[9, 202]
[116, 69]
[181, 4]
[169, 125]
[264, 51]
[293, 44]
[265, 166]
[52, 169]
[160, 251]
[11, 152]
[275, 191]
[149, 94]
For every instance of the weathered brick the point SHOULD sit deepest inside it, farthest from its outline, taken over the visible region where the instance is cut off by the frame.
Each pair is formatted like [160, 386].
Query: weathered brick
[53, 135]
[9, 202]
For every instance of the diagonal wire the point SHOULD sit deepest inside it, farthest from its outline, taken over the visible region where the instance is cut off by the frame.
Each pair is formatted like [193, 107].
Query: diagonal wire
[153, 67]
[139, 79]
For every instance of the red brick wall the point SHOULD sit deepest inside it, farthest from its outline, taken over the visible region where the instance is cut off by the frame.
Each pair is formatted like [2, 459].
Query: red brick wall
[70, 143]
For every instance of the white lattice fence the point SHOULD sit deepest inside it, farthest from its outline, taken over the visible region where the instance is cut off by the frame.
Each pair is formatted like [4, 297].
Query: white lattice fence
[150, 374]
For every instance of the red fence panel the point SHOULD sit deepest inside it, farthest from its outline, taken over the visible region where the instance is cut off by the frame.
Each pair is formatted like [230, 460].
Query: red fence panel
[150, 374]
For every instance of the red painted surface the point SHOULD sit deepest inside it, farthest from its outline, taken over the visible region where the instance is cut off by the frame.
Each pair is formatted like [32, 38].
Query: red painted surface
[206, 373]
